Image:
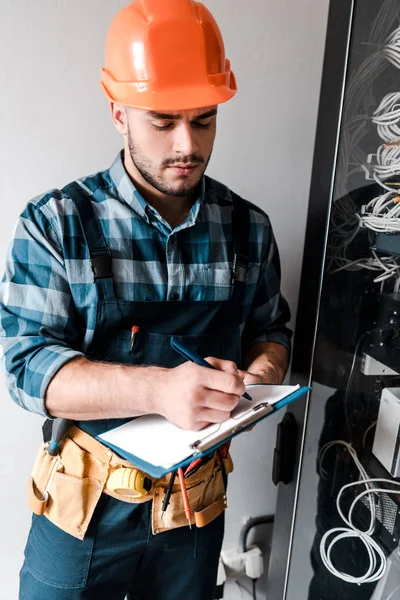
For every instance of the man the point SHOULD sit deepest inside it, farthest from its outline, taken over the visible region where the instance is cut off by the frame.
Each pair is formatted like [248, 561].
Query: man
[99, 276]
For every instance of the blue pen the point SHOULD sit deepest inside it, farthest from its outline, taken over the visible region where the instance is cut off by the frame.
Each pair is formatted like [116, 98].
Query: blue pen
[196, 358]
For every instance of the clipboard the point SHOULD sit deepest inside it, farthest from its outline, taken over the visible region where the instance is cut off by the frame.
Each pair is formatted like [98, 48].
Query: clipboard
[157, 447]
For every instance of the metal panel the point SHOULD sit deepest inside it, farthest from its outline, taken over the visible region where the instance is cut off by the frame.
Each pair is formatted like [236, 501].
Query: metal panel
[325, 153]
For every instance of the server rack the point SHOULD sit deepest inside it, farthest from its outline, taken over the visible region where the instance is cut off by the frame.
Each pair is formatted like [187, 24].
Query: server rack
[347, 339]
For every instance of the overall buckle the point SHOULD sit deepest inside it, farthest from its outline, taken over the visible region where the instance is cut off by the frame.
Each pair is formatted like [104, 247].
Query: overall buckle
[102, 264]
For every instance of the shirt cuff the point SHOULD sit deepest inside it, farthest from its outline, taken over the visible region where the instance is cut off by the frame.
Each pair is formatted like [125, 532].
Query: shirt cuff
[282, 337]
[51, 360]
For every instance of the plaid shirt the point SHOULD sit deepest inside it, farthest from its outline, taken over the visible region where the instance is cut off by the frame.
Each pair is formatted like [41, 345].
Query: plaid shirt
[48, 298]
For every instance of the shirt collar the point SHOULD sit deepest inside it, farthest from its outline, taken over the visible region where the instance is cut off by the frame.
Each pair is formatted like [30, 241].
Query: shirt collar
[128, 192]
[125, 188]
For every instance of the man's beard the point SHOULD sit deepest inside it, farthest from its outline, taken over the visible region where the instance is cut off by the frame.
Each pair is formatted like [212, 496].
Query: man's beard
[143, 165]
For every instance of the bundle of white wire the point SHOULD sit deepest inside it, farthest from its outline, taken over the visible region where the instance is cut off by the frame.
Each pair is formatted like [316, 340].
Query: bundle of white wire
[359, 94]
[377, 559]
[387, 118]
[387, 164]
[386, 266]
[382, 213]
[392, 48]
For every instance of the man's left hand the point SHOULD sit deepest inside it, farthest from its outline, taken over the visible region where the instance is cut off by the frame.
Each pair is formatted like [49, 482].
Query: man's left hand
[267, 376]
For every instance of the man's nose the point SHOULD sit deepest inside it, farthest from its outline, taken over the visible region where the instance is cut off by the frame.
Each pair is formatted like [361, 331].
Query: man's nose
[185, 142]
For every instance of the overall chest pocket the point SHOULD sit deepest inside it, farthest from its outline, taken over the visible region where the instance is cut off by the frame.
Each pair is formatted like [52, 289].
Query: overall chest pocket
[155, 348]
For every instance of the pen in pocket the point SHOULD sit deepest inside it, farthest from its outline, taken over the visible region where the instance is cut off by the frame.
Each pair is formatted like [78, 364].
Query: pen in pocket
[134, 331]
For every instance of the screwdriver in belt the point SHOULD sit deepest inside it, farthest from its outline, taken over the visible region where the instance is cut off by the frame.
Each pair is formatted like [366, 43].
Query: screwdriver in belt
[58, 433]
[185, 497]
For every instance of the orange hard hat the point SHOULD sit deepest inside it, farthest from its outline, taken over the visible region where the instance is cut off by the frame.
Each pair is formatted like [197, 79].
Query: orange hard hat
[166, 55]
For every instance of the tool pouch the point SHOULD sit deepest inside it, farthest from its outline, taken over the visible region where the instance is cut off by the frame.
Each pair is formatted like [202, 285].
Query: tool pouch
[66, 488]
[206, 492]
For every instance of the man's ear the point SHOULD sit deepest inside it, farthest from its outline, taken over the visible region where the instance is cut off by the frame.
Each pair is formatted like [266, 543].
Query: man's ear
[119, 117]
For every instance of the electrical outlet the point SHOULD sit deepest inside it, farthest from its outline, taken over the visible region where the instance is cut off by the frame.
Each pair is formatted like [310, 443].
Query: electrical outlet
[248, 563]
[233, 561]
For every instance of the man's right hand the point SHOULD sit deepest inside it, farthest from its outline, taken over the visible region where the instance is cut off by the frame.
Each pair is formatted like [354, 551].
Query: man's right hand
[193, 397]
[189, 396]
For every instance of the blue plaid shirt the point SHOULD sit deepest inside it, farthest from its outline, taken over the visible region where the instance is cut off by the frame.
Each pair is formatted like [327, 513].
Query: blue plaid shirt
[48, 298]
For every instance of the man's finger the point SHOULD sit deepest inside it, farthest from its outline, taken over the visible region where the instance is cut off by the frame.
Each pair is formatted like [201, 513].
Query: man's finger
[220, 401]
[223, 365]
[242, 374]
[211, 416]
[221, 381]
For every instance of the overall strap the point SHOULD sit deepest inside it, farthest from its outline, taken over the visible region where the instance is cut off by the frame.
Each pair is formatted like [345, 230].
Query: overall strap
[241, 244]
[99, 252]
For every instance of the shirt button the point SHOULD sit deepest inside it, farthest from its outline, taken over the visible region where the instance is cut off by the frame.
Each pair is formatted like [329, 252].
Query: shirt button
[174, 296]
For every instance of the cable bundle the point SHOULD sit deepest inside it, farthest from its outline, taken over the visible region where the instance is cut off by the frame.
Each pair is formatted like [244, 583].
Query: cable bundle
[360, 98]
[386, 266]
[392, 48]
[382, 213]
[387, 165]
[387, 117]
[377, 558]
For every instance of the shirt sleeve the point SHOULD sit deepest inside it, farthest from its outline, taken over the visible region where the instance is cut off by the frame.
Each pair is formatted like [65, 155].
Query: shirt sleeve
[38, 329]
[269, 310]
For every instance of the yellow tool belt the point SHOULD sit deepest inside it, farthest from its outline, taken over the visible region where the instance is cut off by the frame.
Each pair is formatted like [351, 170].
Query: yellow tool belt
[66, 488]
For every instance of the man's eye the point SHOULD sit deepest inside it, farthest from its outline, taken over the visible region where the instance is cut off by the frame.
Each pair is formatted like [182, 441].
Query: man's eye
[201, 125]
[162, 127]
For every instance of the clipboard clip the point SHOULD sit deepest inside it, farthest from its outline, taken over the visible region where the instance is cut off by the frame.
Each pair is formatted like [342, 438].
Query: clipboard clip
[246, 419]
[262, 405]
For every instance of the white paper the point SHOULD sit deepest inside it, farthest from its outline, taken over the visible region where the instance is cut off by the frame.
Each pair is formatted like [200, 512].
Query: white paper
[157, 441]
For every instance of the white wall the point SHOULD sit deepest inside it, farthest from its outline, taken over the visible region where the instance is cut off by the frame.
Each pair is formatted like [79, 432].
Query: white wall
[54, 126]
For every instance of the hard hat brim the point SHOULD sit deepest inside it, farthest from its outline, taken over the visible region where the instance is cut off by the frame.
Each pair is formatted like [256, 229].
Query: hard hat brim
[139, 94]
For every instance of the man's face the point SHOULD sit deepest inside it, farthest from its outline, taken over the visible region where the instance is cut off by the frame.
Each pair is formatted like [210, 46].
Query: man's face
[171, 149]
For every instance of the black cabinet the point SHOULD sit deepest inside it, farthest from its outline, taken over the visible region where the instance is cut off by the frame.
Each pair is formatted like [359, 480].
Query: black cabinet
[347, 340]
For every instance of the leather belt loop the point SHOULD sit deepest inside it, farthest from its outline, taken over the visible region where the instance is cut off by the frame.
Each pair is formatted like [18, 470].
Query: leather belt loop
[91, 445]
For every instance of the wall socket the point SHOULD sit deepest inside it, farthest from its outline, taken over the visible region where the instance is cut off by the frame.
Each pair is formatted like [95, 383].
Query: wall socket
[248, 563]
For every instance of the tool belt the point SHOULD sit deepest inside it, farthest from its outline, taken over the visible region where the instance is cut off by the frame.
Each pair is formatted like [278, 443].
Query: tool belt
[66, 488]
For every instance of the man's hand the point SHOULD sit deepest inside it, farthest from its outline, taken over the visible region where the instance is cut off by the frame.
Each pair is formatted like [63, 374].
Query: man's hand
[267, 376]
[193, 397]
[265, 362]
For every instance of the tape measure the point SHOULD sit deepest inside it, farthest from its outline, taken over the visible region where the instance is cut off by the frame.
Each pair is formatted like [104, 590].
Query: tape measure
[129, 482]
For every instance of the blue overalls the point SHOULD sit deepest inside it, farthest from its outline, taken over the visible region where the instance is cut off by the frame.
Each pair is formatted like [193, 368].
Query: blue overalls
[119, 555]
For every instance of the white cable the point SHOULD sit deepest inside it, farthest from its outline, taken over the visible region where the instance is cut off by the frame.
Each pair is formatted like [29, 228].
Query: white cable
[386, 265]
[377, 558]
[366, 433]
[383, 185]
[392, 48]
[387, 117]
